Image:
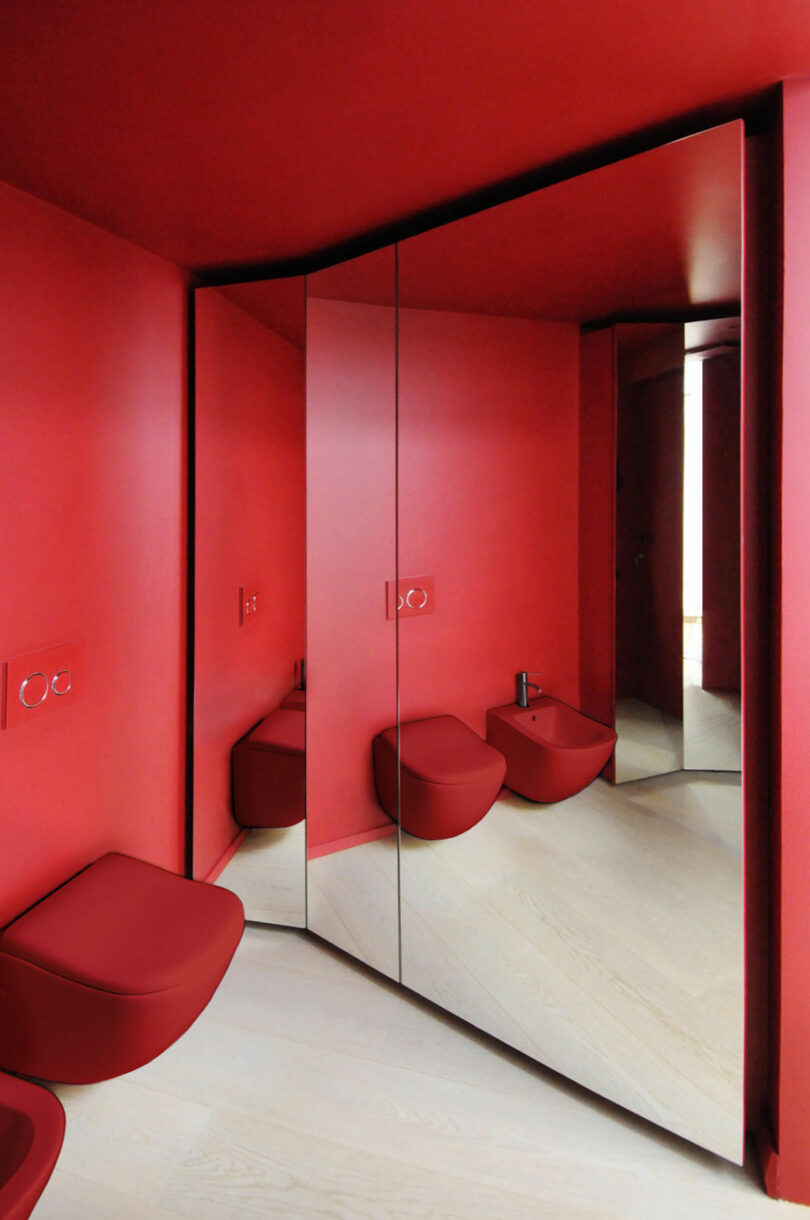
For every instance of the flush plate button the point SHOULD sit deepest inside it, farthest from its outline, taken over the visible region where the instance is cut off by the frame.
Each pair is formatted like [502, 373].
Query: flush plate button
[41, 682]
[409, 596]
[250, 603]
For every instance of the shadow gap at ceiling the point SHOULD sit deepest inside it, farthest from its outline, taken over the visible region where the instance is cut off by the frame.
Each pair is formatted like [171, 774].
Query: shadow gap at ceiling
[758, 112]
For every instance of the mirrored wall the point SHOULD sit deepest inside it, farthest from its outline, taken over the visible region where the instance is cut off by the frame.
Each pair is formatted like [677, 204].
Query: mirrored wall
[352, 844]
[250, 596]
[678, 608]
[498, 490]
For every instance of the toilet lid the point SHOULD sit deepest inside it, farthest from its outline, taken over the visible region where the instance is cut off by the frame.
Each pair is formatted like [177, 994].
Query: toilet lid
[445, 750]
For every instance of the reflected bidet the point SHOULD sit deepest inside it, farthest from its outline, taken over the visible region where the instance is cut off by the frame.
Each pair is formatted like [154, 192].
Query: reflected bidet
[552, 751]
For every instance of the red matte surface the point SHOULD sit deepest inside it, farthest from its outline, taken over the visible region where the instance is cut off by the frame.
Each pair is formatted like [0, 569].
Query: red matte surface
[104, 973]
[37, 677]
[410, 595]
[282, 731]
[552, 751]
[632, 236]
[231, 138]
[269, 771]
[790, 1177]
[351, 539]
[32, 1127]
[250, 408]
[597, 524]
[448, 776]
[92, 531]
[722, 657]
[489, 503]
[295, 699]
[649, 543]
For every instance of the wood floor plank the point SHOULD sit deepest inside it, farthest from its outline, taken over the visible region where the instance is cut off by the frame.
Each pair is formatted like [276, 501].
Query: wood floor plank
[404, 1117]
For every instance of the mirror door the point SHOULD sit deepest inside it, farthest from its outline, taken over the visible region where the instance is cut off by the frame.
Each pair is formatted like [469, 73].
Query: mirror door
[250, 609]
[352, 841]
[596, 927]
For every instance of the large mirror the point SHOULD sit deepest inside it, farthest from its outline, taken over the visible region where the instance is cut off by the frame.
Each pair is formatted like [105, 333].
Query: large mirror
[678, 653]
[352, 844]
[596, 926]
[520, 458]
[249, 597]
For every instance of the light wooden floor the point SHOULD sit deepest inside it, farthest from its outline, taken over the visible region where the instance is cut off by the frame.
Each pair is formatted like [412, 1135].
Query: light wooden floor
[649, 742]
[712, 725]
[268, 874]
[708, 739]
[353, 901]
[311, 1089]
[603, 936]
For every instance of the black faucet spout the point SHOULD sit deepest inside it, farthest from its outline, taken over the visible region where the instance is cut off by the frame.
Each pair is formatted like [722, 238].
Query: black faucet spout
[522, 685]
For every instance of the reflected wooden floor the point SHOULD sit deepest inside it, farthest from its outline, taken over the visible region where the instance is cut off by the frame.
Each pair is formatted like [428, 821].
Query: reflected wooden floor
[353, 898]
[312, 1090]
[712, 720]
[268, 872]
[649, 741]
[602, 936]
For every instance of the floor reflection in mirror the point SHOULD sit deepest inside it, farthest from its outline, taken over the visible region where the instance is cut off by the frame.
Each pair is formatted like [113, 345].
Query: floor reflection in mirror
[603, 936]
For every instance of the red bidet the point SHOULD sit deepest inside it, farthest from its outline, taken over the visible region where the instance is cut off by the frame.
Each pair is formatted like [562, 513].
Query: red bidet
[32, 1126]
[552, 751]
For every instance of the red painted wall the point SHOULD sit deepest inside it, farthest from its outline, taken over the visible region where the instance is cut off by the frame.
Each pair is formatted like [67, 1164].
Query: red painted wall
[721, 523]
[597, 529]
[92, 535]
[351, 539]
[489, 506]
[250, 528]
[649, 523]
[788, 1171]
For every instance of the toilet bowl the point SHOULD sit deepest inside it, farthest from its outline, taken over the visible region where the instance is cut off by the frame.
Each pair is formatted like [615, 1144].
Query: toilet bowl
[552, 751]
[269, 771]
[449, 776]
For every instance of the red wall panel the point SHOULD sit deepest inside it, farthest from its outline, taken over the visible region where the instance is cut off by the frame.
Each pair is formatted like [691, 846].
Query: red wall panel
[351, 539]
[93, 542]
[489, 506]
[250, 528]
[597, 530]
[788, 1171]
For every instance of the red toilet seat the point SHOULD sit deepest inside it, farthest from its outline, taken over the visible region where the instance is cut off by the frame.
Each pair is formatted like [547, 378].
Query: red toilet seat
[107, 971]
[269, 771]
[450, 777]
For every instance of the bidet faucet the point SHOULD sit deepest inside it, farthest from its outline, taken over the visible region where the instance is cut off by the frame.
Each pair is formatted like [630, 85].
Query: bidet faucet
[522, 685]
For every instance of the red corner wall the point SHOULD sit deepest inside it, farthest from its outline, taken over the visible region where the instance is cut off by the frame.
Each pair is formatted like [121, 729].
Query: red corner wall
[250, 528]
[488, 453]
[787, 1168]
[92, 363]
[597, 530]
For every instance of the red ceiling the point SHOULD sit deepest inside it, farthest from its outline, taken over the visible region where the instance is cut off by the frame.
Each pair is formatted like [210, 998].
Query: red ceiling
[234, 131]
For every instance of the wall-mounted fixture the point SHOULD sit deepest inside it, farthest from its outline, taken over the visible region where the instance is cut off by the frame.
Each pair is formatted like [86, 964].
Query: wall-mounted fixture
[40, 682]
[250, 601]
[409, 596]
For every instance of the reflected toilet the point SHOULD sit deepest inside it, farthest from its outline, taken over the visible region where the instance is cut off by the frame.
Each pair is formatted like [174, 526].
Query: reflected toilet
[450, 777]
[269, 769]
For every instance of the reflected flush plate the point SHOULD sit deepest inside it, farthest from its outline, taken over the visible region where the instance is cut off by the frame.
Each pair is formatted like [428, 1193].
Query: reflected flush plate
[409, 596]
[250, 603]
